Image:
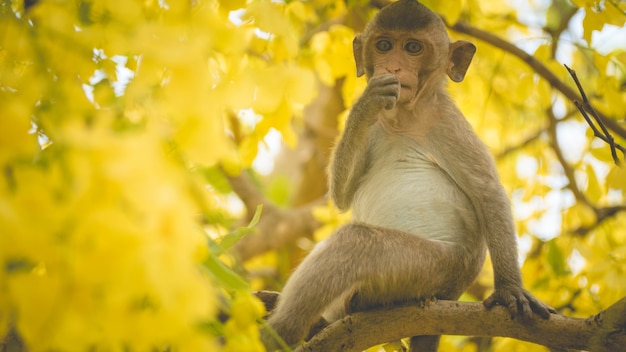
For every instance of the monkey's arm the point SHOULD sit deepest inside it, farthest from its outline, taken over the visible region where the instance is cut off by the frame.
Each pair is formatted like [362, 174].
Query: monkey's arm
[349, 161]
[470, 164]
[499, 231]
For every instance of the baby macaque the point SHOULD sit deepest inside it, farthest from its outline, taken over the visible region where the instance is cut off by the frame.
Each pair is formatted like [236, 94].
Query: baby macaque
[426, 198]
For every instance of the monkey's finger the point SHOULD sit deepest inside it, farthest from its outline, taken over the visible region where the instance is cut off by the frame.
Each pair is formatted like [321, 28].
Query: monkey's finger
[384, 82]
[514, 302]
[524, 307]
[497, 298]
[490, 301]
[509, 304]
[389, 88]
[512, 307]
[390, 102]
[541, 309]
[388, 93]
[386, 78]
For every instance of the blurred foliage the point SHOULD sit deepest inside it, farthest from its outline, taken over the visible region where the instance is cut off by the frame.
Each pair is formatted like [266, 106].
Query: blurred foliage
[114, 117]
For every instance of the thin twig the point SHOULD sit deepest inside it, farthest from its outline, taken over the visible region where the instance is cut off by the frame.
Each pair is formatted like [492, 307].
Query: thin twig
[585, 107]
[603, 214]
[539, 68]
[530, 139]
[567, 169]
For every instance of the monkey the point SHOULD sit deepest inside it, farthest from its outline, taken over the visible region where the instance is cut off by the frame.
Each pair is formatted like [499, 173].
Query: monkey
[426, 198]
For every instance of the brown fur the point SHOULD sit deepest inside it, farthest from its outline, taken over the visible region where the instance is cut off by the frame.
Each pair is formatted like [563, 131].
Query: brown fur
[426, 198]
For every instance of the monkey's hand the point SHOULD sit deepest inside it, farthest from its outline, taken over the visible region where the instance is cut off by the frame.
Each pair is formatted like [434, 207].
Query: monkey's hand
[381, 92]
[518, 302]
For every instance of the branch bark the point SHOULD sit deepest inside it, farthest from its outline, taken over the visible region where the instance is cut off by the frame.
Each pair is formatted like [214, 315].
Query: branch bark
[354, 333]
[603, 332]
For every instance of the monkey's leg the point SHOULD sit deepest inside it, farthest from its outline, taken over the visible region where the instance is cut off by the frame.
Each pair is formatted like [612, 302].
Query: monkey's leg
[382, 265]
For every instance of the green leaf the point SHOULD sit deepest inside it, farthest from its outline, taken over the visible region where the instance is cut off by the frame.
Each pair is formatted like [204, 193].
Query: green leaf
[225, 276]
[279, 190]
[230, 239]
[556, 259]
[215, 177]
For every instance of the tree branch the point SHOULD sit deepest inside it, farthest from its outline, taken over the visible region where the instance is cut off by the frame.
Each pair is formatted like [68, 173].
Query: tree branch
[603, 332]
[536, 65]
[603, 214]
[277, 227]
[526, 142]
[584, 107]
[567, 170]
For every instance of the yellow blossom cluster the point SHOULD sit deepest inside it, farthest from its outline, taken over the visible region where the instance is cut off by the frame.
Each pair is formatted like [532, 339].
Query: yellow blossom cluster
[107, 109]
[241, 329]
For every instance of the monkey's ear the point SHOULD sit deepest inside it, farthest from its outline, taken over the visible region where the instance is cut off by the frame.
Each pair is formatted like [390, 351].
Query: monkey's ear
[461, 53]
[357, 49]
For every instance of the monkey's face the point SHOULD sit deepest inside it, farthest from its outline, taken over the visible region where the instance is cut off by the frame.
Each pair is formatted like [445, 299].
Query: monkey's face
[410, 56]
[409, 41]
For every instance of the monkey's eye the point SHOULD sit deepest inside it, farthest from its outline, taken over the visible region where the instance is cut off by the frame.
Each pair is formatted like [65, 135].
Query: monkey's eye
[414, 47]
[383, 45]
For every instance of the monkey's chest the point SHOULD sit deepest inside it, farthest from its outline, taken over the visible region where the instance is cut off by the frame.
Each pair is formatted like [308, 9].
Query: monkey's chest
[404, 189]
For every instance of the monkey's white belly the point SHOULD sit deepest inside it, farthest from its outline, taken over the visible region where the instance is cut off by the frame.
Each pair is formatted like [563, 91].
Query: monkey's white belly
[406, 190]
